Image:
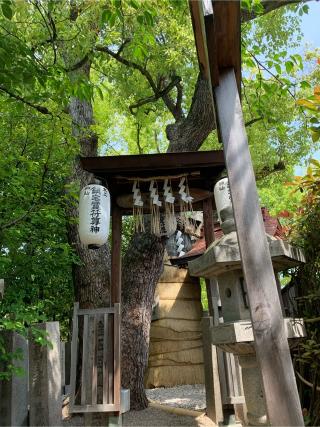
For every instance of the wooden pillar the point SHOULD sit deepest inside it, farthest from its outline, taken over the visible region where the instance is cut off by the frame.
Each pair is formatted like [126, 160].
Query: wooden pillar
[116, 298]
[211, 285]
[116, 254]
[213, 360]
[271, 342]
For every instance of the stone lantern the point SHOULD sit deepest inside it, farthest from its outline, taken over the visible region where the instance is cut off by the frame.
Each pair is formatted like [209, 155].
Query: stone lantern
[222, 261]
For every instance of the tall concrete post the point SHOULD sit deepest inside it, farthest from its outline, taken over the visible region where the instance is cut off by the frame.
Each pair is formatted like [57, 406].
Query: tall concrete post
[14, 391]
[45, 379]
[1, 288]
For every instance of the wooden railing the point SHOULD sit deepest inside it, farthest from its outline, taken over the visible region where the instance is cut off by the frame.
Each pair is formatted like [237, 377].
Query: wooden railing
[95, 360]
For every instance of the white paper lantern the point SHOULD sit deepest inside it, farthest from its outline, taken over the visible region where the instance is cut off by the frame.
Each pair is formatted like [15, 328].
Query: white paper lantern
[94, 216]
[222, 195]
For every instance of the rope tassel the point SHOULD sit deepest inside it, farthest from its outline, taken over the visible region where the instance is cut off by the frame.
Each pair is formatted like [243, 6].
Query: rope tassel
[155, 204]
[170, 221]
[185, 202]
[137, 208]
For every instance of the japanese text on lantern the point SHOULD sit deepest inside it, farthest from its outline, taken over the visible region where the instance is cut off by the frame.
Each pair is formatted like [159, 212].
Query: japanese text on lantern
[95, 210]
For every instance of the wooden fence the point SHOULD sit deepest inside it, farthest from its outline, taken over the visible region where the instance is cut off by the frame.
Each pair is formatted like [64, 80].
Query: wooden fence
[96, 386]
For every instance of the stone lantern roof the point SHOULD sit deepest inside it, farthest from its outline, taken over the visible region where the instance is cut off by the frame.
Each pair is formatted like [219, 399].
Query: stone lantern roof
[224, 255]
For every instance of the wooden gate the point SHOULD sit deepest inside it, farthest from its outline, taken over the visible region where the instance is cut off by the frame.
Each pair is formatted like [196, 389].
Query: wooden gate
[95, 380]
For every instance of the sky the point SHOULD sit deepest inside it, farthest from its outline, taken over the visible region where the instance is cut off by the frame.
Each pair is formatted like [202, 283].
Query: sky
[311, 31]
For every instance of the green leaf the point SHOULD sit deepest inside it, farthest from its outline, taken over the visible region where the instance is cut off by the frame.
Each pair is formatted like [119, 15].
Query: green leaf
[140, 19]
[7, 10]
[278, 68]
[305, 85]
[250, 63]
[307, 104]
[315, 136]
[148, 18]
[289, 66]
[108, 17]
[98, 89]
[134, 4]
[305, 8]
[138, 53]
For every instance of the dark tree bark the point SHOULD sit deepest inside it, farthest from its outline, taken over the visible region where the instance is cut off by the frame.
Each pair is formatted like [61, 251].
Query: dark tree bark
[92, 276]
[142, 268]
[189, 133]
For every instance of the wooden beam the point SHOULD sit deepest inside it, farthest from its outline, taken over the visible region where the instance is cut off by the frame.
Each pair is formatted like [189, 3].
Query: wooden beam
[153, 164]
[217, 38]
[212, 50]
[227, 34]
[116, 300]
[271, 342]
[213, 361]
[116, 254]
[197, 19]
[211, 285]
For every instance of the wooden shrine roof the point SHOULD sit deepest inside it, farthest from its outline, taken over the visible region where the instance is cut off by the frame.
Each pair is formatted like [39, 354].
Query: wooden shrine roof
[202, 169]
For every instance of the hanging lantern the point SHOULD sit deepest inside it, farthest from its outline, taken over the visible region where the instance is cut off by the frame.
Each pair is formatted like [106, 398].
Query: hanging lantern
[94, 216]
[222, 196]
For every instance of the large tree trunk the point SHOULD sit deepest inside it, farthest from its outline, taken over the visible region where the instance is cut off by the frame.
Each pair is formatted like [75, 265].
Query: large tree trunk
[189, 133]
[142, 268]
[143, 262]
[92, 275]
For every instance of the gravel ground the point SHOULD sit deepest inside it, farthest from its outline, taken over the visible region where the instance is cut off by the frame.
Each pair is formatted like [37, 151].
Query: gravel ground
[153, 417]
[185, 396]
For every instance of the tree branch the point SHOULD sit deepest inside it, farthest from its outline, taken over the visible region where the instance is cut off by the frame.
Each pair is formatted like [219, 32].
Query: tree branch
[267, 170]
[40, 108]
[159, 94]
[268, 6]
[131, 64]
[78, 64]
[252, 121]
[175, 109]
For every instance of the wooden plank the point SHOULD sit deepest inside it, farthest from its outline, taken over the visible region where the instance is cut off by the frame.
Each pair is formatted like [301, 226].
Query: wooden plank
[95, 408]
[88, 360]
[198, 30]
[111, 358]
[217, 38]
[116, 254]
[84, 370]
[272, 349]
[74, 356]
[150, 164]
[212, 284]
[105, 361]
[212, 49]
[95, 311]
[117, 371]
[94, 342]
[213, 370]
[208, 222]
[212, 381]
[226, 27]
